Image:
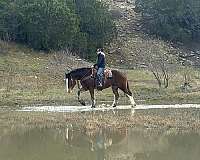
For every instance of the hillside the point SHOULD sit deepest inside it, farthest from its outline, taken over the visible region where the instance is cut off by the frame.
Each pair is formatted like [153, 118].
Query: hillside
[34, 78]
[131, 38]
[29, 77]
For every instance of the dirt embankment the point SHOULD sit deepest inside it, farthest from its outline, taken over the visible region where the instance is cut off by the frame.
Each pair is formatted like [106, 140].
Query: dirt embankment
[130, 34]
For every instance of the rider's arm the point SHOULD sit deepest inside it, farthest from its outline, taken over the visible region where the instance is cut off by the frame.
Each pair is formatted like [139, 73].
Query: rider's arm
[100, 60]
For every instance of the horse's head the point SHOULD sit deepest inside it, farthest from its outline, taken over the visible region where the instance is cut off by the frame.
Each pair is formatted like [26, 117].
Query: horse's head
[69, 82]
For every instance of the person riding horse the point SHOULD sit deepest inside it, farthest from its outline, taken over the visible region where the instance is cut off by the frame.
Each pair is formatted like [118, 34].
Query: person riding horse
[83, 75]
[100, 66]
[87, 80]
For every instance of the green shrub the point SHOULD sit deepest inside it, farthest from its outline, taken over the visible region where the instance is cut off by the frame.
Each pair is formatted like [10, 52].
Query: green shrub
[171, 19]
[96, 23]
[82, 25]
[42, 24]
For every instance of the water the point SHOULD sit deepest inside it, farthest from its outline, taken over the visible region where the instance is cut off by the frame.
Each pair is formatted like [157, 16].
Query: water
[103, 108]
[99, 144]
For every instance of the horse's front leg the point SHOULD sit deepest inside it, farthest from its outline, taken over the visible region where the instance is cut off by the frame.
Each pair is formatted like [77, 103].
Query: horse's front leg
[92, 97]
[81, 101]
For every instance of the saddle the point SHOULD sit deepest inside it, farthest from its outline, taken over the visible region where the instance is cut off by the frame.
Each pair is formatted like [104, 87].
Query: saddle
[107, 73]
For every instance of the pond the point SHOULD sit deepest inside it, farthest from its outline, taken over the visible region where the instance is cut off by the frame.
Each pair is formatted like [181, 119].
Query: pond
[70, 143]
[79, 133]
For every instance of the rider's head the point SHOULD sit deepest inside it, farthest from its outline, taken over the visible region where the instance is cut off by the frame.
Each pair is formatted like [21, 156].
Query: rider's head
[99, 50]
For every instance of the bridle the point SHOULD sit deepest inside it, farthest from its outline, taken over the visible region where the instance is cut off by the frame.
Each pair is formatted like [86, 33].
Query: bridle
[82, 78]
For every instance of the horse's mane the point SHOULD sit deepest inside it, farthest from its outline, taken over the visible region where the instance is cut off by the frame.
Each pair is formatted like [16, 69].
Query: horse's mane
[80, 72]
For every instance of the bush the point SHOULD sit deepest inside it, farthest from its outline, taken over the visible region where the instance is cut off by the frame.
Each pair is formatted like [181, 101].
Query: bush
[81, 25]
[42, 24]
[96, 23]
[173, 20]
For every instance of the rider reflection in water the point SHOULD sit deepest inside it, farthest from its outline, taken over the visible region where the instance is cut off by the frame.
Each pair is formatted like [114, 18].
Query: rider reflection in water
[100, 67]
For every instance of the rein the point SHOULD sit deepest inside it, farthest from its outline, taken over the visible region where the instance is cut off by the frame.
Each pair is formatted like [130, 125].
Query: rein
[85, 75]
[82, 78]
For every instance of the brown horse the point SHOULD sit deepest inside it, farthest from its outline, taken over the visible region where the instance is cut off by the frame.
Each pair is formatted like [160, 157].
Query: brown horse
[84, 75]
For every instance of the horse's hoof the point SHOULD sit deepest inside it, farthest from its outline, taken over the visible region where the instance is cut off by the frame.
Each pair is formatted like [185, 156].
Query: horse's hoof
[82, 103]
[133, 105]
[93, 107]
[114, 105]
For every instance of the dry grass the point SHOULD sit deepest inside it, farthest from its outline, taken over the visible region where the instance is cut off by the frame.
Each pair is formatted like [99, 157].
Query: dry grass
[31, 78]
[28, 77]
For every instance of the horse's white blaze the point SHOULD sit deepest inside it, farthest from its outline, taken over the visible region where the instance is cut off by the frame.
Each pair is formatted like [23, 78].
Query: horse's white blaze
[131, 100]
[66, 83]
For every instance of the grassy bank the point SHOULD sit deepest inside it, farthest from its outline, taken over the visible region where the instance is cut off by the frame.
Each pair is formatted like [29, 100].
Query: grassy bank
[34, 78]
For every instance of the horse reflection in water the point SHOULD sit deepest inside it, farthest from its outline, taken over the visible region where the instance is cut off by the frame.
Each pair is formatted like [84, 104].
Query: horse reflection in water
[98, 140]
[88, 83]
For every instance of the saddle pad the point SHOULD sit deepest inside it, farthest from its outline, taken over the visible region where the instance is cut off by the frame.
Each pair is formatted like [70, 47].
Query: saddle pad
[108, 73]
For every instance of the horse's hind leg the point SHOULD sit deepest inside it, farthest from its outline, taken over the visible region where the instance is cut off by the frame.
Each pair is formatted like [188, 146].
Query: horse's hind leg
[82, 102]
[116, 96]
[133, 104]
[92, 97]
[129, 95]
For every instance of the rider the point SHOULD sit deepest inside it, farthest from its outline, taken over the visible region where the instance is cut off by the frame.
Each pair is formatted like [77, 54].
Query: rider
[100, 66]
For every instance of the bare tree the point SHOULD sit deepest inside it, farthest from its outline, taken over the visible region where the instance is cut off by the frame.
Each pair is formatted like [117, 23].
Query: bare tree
[158, 58]
[187, 74]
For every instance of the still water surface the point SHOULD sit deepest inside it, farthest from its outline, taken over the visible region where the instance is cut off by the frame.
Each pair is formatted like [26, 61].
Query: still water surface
[108, 144]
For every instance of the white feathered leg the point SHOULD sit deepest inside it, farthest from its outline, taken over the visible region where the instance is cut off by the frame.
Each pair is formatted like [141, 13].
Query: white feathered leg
[133, 104]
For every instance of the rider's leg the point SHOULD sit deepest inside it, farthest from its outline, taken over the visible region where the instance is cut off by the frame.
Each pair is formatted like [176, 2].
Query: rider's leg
[100, 76]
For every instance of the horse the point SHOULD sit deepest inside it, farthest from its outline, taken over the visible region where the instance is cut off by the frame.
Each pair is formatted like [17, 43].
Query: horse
[88, 83]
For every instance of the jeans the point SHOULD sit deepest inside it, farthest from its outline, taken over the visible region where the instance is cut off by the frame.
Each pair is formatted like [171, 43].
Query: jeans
[100, 74]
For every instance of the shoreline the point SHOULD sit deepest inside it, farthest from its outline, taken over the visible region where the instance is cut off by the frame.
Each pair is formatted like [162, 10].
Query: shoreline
[103, 108]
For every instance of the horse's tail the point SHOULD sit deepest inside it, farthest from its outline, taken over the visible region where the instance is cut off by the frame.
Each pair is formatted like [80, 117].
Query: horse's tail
[128, 89]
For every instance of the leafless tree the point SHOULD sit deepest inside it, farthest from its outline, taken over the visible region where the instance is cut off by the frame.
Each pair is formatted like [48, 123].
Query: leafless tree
[157, 57]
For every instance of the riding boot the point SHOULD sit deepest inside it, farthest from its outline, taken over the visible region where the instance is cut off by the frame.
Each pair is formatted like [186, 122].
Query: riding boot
[99, 85]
